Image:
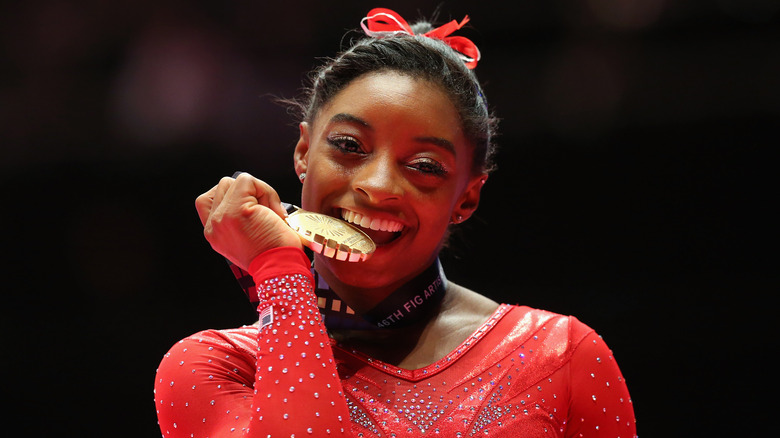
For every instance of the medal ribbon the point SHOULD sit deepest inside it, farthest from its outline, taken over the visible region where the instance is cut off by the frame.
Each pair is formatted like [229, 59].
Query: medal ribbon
[406, 305]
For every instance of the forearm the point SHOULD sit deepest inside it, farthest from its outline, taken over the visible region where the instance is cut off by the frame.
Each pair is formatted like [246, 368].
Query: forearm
[209, 384]
[297, 389]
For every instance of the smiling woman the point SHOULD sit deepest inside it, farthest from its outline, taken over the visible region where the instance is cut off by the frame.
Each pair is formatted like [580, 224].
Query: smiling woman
[388, 147]
[395, 137]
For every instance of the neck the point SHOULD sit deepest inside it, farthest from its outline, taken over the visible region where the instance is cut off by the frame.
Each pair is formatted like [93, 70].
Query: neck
[362, 299]
[407, 302]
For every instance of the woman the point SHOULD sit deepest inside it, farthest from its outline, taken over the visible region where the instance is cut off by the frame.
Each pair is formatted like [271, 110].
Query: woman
[395, 138]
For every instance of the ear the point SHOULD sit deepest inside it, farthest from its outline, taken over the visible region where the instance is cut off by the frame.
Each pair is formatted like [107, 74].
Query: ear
[301, 154]
[469, 200]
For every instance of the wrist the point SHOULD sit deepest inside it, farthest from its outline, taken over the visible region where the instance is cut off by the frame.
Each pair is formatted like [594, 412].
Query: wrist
[276, 262]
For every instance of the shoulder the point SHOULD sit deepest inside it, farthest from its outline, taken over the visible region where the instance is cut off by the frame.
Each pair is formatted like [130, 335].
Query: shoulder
[540, 330]
[240, 340]
[539, 319]
[468, 310]
[197, 367]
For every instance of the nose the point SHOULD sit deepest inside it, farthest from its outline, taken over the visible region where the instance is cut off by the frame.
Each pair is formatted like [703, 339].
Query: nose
[378, 179]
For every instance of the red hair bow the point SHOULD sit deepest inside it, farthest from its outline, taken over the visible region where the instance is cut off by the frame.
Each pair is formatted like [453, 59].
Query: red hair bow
[381, 22]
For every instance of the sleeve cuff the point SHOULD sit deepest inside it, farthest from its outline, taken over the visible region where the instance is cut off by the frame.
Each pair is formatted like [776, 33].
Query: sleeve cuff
[279, 261]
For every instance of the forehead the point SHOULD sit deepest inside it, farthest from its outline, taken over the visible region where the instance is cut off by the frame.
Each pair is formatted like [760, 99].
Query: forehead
[389, 93]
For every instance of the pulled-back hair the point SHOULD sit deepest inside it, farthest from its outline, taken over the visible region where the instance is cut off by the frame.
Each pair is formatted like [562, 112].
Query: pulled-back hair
[419, 57]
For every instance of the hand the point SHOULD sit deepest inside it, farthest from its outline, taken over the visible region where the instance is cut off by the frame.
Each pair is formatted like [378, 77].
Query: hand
[242, 218]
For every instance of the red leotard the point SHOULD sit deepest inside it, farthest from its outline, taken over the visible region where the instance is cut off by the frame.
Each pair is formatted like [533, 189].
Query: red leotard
[525, 372]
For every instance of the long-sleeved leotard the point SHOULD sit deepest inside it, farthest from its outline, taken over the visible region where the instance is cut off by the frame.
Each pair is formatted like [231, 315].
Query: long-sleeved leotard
[524, 372]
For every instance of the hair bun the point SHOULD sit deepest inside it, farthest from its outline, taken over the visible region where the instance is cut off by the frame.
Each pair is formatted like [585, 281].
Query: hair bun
[421, 27]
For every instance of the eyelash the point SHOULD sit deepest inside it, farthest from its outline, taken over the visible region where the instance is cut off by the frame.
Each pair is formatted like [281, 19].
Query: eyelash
[426, 166]
[336, 141]
[433, 167]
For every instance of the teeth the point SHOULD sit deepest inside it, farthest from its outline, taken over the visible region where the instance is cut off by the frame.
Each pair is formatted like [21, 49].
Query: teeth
[372, 223]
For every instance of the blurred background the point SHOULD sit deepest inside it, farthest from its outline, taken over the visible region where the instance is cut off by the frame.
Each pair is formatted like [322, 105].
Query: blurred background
[632, 188]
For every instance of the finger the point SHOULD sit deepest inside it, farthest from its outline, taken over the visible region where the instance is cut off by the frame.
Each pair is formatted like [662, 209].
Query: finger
[203, 204]
[261, 191]
[271, 199]
[220, 192]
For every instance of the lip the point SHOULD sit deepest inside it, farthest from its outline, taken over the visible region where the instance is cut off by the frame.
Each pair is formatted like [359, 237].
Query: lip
[372, 221]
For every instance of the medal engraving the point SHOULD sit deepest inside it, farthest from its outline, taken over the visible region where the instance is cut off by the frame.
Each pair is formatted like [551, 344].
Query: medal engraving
[331, 237]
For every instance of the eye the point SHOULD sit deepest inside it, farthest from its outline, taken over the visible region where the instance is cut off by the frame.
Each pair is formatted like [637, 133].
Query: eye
[429, 166]
[344, 143]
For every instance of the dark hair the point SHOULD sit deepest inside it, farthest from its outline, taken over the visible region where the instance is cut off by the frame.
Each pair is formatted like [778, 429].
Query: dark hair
[420, 57]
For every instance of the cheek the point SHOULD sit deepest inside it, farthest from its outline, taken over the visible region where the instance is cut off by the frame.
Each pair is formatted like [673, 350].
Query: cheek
[435, 214]
[321, 180]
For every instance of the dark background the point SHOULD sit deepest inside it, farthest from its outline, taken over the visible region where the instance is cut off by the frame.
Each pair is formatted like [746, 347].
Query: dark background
[632, 190]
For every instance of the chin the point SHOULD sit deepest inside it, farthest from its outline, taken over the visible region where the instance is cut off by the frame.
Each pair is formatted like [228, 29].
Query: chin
[371, 273]
[389, 265]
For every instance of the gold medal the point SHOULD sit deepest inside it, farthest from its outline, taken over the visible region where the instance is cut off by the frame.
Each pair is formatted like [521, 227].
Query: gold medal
[331, 237]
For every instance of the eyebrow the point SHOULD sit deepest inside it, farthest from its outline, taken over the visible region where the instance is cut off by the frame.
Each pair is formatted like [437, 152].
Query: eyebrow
[344, 117]
[436, 141]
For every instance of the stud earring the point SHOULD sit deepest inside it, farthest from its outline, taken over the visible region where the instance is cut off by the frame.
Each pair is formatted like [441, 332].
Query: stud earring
[457, 219]
[302, 176]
